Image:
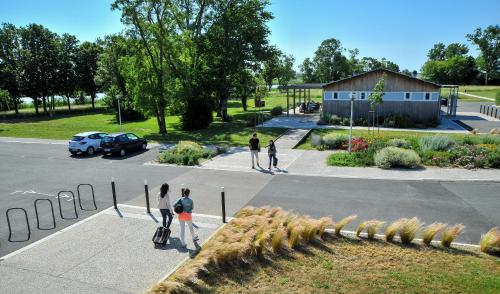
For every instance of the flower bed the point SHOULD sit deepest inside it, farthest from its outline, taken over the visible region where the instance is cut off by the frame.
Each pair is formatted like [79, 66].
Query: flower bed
[437, 150]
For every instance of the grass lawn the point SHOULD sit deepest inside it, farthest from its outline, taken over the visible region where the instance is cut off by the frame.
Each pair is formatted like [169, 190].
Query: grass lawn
[353, 266]
[63, 127]
[484, 91]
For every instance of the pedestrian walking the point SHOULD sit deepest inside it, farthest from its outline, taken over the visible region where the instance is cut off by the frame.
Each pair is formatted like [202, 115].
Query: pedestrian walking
[184, 207]
[164, 205]
[271, 151]
[254, 145]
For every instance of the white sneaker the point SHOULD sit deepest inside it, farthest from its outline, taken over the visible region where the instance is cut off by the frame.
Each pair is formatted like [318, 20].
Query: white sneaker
[195, 239]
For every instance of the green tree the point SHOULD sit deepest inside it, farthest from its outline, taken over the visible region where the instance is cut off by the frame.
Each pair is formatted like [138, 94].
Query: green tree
[330, 63]
[10, 67]
[66, 77]
[376, 97]
[238, 40]
[488, 42]
[437, 52]
[308, 70]
[244, 86]
[86, 68]
[285, 69]
[38, 63]
[270, 68]
[453, 67]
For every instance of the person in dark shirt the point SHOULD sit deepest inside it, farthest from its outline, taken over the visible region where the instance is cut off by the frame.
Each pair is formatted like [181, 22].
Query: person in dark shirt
[271, 151]
[254, 145]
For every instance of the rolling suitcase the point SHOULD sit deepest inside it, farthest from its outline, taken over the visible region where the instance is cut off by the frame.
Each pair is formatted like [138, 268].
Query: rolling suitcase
[161, 236]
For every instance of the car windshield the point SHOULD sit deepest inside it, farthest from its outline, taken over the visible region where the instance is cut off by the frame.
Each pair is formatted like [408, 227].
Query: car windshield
[77, 138]
[108, 139]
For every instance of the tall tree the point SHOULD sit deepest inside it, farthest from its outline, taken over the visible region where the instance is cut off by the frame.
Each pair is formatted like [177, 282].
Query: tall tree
[488, 41]
[86, 68]
[238, 40]
[271, 67]
[330, 63]
[437, 52]
[38, 63]
[308, 70]
[285, 69]
[66, 80]
[10, 67]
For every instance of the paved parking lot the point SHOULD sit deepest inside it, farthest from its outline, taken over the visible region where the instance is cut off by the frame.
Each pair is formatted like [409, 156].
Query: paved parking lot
[39, 170]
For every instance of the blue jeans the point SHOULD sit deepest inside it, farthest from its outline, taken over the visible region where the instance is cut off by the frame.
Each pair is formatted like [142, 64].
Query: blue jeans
[164, 214]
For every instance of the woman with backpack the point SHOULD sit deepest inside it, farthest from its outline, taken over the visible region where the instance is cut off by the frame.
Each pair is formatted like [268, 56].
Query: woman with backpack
[271, 151]
[164, 205]
[184, 207]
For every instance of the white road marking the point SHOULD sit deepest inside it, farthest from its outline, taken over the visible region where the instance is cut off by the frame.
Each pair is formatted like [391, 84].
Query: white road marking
[29, 142]
[64, 195]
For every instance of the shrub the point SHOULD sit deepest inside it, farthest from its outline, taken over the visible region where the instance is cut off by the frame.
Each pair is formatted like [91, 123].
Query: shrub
[277, 110]
[333, 141]
[221, 149]
[393, 228]
[350, 159]
[490, 242]
[437, 158]
[436, 143]
[358, 144]
[449, 234]
[400, 143]
[371, 226]
[430, 231]
[409, 230]
[198, 115]
[493, 158]
[343, 222]
[490, 139]
[329, 119]
[345, 121]
[185, 153]
[396, 157]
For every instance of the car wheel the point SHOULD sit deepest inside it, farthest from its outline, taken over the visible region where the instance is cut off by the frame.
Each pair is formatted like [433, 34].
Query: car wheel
[90, 151]
[73, 152]
[144, 146]
[123, 152]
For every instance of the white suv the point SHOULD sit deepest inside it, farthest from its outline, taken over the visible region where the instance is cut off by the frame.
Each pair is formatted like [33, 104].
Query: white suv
[88, 142]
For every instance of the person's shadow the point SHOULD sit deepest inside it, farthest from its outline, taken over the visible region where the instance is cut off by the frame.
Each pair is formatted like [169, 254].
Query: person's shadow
[174, 243]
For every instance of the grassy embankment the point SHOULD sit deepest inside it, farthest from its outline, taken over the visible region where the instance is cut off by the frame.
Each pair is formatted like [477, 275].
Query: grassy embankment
[236, 132]
[268, 250]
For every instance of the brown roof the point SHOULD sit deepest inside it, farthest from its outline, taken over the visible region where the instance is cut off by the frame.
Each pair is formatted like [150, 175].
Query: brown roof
[384, 70]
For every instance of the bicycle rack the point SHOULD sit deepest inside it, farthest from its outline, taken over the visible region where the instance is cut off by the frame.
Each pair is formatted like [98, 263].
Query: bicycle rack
[38, 219]
[80, 200]
[74, 205]
[27, 223]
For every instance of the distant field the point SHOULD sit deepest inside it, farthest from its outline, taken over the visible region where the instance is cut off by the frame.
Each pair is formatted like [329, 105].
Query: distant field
[483, 91]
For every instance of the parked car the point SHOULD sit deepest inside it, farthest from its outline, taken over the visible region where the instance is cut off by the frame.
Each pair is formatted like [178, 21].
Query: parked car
[122, 143]
[88, 142]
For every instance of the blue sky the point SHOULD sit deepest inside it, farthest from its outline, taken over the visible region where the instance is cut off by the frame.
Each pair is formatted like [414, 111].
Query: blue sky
[402, 31]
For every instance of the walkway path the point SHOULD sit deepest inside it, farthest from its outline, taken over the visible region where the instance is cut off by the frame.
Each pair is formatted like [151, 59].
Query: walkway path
[291, 138]
[108, 253]
[476, 96]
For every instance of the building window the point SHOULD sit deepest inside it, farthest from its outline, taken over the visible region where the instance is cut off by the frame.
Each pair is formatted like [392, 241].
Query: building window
[363, 96]
[327, 95]
[407, 95]
[335, 95]
[427, 96]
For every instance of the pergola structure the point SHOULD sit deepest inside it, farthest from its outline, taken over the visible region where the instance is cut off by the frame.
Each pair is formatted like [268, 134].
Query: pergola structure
[303, 91]
[451, 109]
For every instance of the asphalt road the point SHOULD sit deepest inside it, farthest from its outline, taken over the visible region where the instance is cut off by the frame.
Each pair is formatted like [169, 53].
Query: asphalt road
[32, 171]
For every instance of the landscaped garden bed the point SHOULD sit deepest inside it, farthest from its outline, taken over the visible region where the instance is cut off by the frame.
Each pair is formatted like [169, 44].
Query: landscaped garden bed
[269, 250]
[410, 150]
[189, 153]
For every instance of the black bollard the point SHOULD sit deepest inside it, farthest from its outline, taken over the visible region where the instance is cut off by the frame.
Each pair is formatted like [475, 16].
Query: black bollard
[146, 192]
[223, 202]
[113, 190]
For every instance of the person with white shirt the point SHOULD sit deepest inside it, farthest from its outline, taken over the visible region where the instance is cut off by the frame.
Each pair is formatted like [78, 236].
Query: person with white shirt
[164, 205]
